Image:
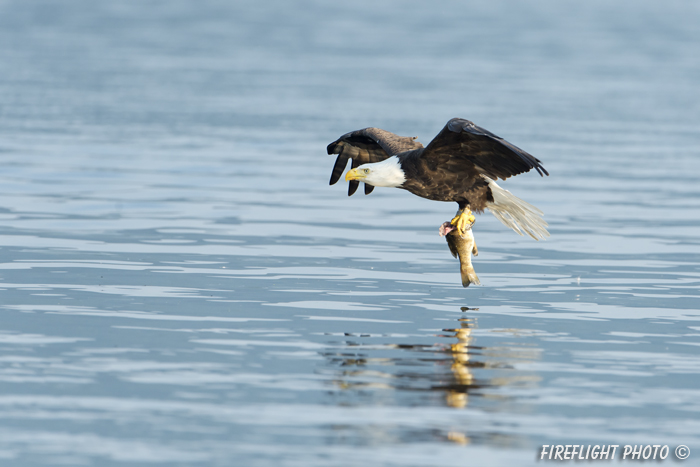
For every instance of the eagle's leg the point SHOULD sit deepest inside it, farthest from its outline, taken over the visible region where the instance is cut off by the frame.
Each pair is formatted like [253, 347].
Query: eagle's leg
[463, 220]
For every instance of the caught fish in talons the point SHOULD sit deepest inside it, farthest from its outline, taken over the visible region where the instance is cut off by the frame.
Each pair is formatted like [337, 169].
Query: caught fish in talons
[462, 246]
[461, 164]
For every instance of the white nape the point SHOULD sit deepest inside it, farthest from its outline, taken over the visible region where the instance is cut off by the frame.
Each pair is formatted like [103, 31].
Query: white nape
[386, 173]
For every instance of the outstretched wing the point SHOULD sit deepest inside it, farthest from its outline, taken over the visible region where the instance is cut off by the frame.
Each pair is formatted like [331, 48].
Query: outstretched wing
[363, 146]
[463, 141]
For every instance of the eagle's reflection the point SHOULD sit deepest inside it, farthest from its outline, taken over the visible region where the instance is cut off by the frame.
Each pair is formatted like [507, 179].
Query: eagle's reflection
[457, 395]
[445, 368]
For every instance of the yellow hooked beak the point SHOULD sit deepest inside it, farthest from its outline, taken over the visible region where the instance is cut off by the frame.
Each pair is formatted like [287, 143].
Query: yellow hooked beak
[355, 174]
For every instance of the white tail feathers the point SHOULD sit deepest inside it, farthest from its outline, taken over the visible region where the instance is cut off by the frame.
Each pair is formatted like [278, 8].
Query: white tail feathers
[516, 213]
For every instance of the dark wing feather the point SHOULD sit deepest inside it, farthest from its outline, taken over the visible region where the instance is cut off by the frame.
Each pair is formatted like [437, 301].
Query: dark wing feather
[353, 184]
[364, 146]
[492, 155]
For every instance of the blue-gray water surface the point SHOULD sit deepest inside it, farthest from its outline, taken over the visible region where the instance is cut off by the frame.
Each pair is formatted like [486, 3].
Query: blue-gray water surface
[180, 285]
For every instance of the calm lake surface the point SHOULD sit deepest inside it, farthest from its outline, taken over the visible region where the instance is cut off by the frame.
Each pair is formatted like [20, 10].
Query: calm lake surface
[180, 286]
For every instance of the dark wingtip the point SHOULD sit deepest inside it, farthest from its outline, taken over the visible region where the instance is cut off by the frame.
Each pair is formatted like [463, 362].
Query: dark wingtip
[338, 168]
[368, 188]
[352, 187]
[330, 149]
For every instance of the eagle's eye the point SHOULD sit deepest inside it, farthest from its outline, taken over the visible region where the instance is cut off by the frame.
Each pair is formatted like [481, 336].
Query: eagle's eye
[366, 171]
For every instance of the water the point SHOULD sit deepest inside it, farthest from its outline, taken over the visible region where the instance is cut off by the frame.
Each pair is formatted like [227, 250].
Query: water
[180, 285]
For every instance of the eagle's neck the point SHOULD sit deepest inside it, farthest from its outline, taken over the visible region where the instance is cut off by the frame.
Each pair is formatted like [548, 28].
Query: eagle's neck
[386, 173]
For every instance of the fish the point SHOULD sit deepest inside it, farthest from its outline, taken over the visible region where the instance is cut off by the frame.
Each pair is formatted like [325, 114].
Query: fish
[462, 248]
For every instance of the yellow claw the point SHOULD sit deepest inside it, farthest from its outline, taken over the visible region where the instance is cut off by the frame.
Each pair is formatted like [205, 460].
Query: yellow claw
[462, 220]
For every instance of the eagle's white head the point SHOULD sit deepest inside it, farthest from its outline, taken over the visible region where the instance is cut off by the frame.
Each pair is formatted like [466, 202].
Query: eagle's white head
[385, 173]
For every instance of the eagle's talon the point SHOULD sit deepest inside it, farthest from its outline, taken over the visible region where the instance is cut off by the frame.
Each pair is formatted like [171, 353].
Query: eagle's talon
[463, 221]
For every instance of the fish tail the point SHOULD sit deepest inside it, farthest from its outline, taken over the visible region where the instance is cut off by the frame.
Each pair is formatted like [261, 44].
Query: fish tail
[516, 213]
[469, 275]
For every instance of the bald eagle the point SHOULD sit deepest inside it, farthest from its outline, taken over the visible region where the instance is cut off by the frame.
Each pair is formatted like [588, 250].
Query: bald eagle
[461, 164]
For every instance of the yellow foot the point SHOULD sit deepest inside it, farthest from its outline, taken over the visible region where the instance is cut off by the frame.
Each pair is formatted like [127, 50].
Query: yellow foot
[463, 220]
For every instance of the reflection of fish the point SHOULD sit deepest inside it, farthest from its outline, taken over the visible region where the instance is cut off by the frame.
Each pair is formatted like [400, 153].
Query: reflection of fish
[462, 248]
